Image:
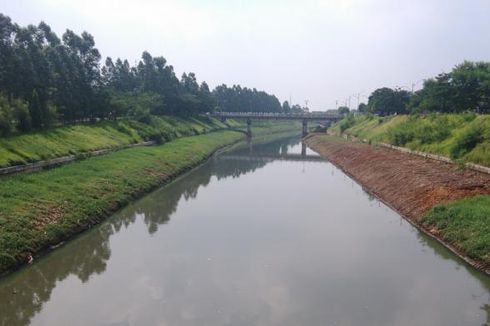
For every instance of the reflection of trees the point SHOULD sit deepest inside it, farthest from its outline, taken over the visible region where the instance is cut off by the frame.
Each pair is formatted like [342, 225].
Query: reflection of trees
[23, 294]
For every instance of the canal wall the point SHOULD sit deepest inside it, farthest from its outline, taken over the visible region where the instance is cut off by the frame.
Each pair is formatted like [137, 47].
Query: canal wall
[412, 185]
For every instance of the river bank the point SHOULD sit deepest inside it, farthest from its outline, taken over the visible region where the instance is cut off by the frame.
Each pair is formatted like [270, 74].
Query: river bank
[82, 139]
[42, 209]
[424, 191]
[464, 138]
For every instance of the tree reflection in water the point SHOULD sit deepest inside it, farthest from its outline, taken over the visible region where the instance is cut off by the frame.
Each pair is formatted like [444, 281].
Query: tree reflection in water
[23, 293]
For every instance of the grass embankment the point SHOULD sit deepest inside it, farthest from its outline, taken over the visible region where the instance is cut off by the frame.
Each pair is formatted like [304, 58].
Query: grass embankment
[43, 208]
[464, 223]
[76, 139]
[464, 137]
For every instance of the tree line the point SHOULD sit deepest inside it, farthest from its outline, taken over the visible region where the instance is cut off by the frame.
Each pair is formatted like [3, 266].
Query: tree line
[46, 80]
[465, 89]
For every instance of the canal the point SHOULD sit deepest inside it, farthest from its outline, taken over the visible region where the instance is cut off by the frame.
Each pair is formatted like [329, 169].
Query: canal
[259, 235]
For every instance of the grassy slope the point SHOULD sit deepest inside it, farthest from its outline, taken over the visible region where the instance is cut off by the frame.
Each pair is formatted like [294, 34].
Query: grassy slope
[76, 139]
[43, 208]
[465, 223]
[459, 136]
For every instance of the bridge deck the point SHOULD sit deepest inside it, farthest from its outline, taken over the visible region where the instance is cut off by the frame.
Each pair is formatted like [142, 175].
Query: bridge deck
[276, 116]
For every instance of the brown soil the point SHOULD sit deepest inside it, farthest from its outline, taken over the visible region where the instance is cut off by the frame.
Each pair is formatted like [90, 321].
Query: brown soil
[410, 184]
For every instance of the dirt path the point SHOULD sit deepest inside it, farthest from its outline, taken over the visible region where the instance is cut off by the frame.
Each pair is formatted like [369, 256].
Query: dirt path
[410, 184]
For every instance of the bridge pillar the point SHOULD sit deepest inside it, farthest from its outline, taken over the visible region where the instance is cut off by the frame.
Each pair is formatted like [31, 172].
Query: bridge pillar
[303, 149]
[249, 127]
[305, 127]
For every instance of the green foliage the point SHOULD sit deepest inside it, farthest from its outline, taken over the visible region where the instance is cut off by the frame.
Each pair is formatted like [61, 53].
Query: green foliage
[467, 140]
[402, 135]
[5, 116]
[61, 82]
[343, 110]
[362, 108]
[459, 136]
[464, 223]
[465, 88]
[238, 99]
[21, 115]
[386, 101]
[347, 122]
[56, 142]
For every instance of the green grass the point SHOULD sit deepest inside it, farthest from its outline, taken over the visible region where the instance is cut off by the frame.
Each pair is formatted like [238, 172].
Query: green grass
[62, 141]
[465, 223]
[464, 137]
[43, 208]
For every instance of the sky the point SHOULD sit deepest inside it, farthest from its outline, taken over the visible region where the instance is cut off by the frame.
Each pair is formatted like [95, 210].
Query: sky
[323, 52]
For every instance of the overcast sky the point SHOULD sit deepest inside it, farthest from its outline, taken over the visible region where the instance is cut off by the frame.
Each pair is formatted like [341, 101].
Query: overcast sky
[321, 51]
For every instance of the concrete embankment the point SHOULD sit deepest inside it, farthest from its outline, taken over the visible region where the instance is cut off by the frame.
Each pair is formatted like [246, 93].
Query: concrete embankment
[410, 184]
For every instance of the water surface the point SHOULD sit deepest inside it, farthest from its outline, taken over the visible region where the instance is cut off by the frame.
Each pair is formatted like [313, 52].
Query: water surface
[257, 236]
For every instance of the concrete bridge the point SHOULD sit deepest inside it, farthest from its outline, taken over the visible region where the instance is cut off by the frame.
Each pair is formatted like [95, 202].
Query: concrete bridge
[326, 117]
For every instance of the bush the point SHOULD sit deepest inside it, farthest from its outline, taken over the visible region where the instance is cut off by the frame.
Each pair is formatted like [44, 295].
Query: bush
[347, 122]
[433, 132]
[5, 116]
[401, 135]
[22, 115]
[467, 140]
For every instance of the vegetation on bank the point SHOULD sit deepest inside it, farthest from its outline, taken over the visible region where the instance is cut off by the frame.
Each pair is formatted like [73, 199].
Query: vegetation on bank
[466, 88]
[43, 208]
[463, 137]
[76, 139]
[464, 223]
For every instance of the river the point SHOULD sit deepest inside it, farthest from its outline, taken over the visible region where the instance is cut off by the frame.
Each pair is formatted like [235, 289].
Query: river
[260, 235]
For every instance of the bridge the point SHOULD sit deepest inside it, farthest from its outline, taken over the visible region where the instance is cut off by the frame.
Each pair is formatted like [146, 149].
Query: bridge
[305, 117]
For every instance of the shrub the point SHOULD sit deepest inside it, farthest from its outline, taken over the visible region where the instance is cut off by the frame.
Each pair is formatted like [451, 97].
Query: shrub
[22, 115]
[467, 140]
[5, 116]
[401, 135]
[347, 122]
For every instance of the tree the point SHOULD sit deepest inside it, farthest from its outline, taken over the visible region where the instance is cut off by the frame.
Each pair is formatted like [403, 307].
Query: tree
[238, 99]
[343, 110]
[45, 77]
[385, 101]
[286, 108]
[362, 108]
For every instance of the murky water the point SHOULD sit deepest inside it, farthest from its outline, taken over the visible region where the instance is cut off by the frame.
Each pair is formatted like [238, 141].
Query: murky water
[257, 236]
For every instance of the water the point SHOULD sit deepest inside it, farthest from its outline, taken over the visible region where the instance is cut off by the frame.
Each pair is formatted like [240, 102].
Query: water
[254, 237]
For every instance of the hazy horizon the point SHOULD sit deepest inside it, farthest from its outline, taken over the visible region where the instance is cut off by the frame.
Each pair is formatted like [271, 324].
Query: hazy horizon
[321, 51]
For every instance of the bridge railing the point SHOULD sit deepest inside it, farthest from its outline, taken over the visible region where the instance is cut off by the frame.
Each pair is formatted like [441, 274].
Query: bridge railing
[320, 115]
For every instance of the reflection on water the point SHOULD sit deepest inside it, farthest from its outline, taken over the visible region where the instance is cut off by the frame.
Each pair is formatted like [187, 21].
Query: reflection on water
[261, 235]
